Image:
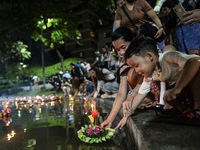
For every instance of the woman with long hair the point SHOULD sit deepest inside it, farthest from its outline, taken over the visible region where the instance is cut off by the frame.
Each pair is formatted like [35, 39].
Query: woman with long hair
[105, 80]
[129, 80]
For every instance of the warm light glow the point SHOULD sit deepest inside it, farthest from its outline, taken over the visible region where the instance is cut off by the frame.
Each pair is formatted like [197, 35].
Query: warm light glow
[11, 135]
[92, 107]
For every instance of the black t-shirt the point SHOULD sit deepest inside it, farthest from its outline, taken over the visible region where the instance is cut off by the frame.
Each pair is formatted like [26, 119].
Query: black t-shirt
[76, 72]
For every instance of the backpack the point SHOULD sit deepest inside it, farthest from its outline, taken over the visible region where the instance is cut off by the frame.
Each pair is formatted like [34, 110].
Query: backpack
[122, 73]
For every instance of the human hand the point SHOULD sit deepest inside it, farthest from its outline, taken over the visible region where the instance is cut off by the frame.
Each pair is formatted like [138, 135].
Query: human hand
[87, 97]
[159, 33]
[93, 100]
[121, 123]
[107, 123]
[191, 17]
[127, 109]
[171, 94]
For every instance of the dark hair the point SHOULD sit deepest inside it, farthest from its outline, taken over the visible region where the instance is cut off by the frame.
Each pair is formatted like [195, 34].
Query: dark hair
[169, 3]
[105, 46]
[140, 46]
[100, 75]
[72, 64]
[123, 33]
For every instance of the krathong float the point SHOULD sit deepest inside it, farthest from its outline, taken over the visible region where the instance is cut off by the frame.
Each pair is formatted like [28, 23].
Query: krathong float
[87, 103]
[6, 112]
[94, 133]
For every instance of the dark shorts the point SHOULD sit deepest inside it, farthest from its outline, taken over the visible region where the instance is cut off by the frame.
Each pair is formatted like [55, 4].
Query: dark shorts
[90, 88]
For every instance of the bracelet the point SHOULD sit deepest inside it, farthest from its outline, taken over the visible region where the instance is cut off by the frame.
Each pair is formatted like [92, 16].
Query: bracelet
[161, 27]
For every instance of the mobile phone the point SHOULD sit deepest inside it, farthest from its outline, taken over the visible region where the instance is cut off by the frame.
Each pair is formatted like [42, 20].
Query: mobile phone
[179, 10]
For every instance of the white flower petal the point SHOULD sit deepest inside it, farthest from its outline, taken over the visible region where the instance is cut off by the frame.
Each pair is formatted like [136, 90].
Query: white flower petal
[96, 140]
[103, 139]
[110, 134]
[87, 139]
[80, 136]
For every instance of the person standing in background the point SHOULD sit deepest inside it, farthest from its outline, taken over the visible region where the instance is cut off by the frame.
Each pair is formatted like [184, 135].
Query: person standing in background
[87, 65]
[31, 81]
[105, 56]
[36, 82]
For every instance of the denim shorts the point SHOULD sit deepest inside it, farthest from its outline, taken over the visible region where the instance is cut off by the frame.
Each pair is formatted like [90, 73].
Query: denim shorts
[110, 87]
[188, 37]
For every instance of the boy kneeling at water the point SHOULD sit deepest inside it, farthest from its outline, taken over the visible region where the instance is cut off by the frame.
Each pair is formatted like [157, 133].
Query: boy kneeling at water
[180, 72]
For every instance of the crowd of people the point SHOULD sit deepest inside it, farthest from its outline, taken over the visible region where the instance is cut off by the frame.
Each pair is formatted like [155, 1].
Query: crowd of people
[141, 71]
[159, 73]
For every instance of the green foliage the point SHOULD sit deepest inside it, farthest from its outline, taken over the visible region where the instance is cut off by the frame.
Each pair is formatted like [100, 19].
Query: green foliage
[55, 32]
[49, 70]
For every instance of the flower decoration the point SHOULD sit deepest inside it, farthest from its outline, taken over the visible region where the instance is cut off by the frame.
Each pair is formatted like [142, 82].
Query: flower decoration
[94, 113]
[94, 133]
[87, 103]
[6, 112]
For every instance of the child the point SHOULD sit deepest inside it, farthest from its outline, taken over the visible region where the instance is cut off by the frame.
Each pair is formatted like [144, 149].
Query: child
[179, 70]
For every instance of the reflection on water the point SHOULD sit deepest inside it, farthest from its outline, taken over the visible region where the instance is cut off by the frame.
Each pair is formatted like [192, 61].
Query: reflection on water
[53, 125]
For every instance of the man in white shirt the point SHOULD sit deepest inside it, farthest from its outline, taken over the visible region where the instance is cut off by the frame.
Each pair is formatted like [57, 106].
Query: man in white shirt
[36, 82]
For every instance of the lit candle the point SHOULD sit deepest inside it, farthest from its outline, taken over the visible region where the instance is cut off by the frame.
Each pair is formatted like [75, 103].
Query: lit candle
[92, 107]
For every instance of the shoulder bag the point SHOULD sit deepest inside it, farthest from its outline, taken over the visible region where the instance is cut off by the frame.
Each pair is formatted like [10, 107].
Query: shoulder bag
[147, 28]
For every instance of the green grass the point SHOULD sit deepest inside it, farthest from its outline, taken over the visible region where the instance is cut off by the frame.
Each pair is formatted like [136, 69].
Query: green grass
[53, 69]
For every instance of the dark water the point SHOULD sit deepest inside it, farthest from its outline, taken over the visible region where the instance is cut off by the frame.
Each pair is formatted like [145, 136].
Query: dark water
[53, 126]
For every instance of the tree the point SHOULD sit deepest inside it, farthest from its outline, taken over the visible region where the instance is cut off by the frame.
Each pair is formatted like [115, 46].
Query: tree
[55, 18]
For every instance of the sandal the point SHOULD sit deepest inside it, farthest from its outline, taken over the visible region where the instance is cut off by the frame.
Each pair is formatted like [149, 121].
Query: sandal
[194, 117]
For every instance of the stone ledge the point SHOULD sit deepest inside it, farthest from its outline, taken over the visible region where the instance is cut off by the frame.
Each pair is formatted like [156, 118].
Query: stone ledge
[151, 132]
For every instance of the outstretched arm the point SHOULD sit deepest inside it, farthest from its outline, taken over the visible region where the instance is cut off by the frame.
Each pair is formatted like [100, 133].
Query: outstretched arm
[121, 96]
[136, 102]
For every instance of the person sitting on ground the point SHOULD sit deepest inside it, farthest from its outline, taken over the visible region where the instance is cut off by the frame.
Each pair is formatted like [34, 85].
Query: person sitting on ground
[180, 71]
[65, 86]
[105, 80]
[67, 75]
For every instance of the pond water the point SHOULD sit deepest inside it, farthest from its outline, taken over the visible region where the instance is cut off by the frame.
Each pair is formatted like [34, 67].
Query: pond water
[53, 125]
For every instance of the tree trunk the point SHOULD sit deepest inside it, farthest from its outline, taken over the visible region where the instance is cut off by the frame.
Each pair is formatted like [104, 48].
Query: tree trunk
[61, 59]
